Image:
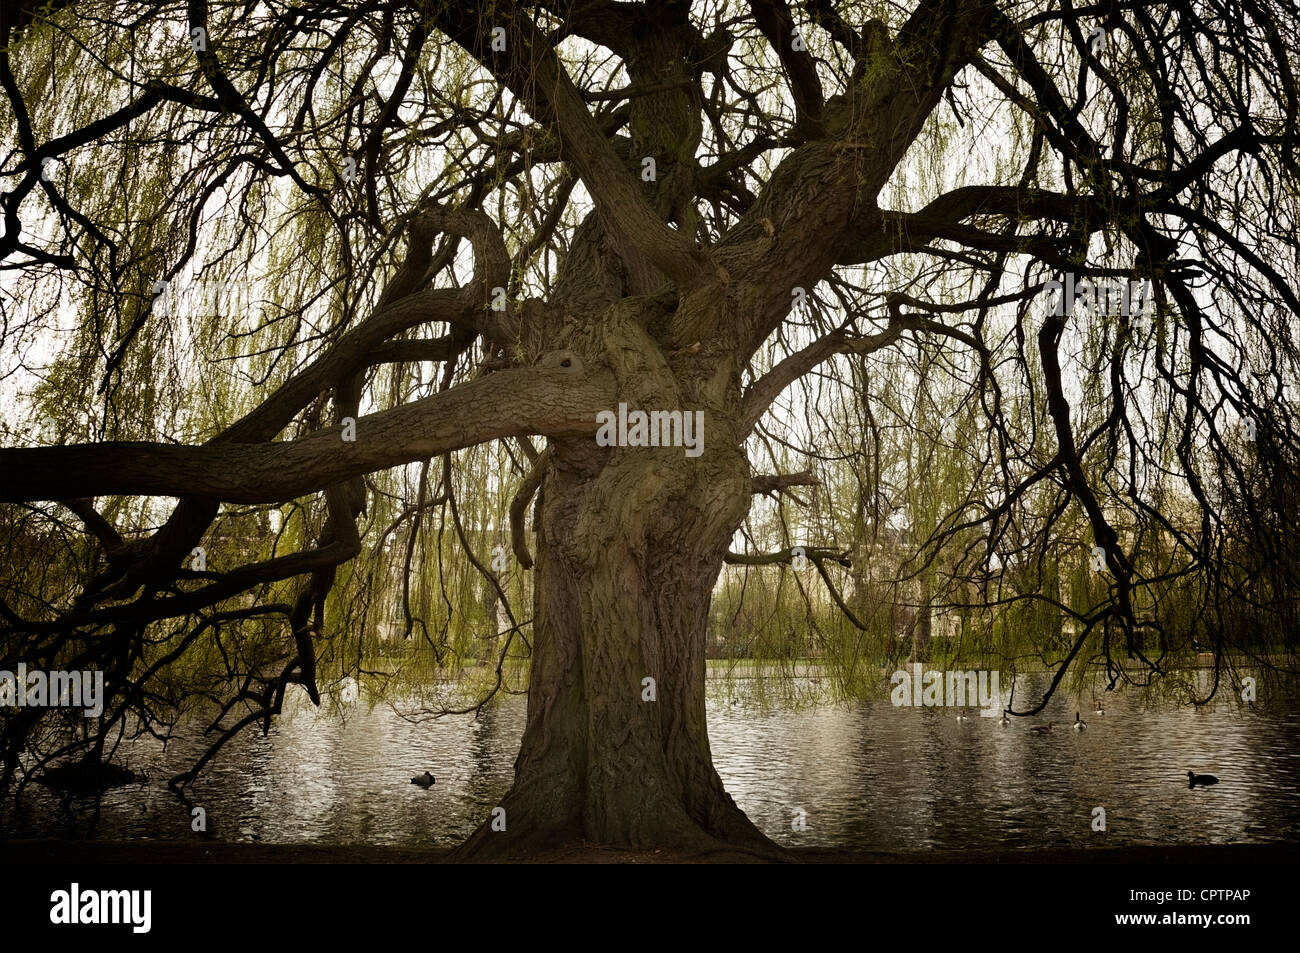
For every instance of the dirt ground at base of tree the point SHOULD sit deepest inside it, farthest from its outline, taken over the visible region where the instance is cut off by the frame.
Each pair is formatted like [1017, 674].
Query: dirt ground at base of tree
[216, 852]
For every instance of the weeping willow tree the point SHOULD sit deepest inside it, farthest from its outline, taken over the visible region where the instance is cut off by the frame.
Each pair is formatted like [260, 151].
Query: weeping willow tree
[313, 315]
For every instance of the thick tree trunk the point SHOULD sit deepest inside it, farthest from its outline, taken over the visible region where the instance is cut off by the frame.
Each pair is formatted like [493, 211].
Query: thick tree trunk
[631, 540]
[629, 548]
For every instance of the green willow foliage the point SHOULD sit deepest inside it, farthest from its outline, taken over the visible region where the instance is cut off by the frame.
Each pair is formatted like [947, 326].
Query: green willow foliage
[930, 456]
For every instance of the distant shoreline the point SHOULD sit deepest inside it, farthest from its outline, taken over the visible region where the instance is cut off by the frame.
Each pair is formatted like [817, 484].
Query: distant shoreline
[218, 852]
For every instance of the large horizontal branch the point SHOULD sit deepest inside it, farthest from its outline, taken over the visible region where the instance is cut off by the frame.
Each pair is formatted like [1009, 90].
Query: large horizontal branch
[767, 482]
[887, 232]
[553, 401]
[411, 352]
[783, 556]
[224, 586]
[893, 231]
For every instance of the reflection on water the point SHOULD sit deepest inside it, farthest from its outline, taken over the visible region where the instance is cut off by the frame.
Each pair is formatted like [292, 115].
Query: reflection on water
[868, 775]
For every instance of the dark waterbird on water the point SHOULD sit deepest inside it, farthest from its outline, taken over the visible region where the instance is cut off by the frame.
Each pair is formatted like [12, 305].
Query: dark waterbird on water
[1202, 779]
[424, 780]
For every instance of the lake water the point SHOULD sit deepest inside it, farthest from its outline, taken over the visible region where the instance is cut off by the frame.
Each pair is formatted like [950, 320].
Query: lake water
[867, 775]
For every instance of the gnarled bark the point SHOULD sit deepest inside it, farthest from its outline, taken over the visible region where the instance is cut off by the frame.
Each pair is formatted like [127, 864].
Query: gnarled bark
[629, 550]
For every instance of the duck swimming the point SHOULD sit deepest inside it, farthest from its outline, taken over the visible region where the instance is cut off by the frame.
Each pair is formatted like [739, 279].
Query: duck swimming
[1004, 720]
[425, 780]
[1201, 779]
[1042, 729]
[1079, 723]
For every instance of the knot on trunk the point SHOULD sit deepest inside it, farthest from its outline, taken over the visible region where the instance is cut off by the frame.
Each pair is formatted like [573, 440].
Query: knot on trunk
[563, 358]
